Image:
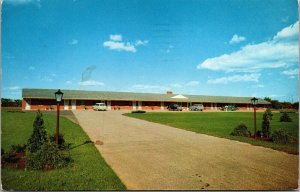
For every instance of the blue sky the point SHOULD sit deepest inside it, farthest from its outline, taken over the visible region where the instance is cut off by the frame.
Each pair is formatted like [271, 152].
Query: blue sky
[206, 47]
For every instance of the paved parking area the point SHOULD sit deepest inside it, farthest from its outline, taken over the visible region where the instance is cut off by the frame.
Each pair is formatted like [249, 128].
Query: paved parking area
[148, 155]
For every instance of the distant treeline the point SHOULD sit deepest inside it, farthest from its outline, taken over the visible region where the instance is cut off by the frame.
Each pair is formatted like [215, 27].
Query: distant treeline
[11, 102]
[275, 104]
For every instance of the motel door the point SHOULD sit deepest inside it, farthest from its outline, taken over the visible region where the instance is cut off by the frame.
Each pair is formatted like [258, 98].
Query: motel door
[66, 104]
[27, 105]
[73, 103]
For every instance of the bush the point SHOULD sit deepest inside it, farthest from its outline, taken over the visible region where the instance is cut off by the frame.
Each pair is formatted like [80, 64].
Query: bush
[61, 141]
[285, 118]
[269, 112]
[138, 111]
[241, 130]
[39, 134]
[266, 124]
[281, 136]
[49, 156]
[11, 156]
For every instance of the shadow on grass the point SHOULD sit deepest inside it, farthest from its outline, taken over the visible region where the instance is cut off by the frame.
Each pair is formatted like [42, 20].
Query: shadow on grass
[84, 143]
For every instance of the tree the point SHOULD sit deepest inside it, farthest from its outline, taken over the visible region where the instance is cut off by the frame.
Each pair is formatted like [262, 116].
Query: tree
[296, 105]
[39, 134]
[268, 99]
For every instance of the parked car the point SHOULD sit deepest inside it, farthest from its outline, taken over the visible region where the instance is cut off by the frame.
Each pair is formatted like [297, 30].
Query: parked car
[196, 107]
[229, 108]
[99, 107]
[174, 107]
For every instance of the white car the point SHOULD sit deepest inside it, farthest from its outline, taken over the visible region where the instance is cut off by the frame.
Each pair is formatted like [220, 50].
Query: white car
[99, 107]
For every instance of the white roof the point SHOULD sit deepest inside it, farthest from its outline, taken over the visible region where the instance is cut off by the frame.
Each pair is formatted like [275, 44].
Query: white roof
[179, 97]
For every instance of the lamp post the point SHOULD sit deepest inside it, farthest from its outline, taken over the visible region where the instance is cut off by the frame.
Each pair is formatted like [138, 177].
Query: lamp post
[58, 97]
[254, 102]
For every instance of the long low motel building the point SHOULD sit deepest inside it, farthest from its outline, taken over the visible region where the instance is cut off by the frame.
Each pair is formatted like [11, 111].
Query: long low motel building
[44, 99]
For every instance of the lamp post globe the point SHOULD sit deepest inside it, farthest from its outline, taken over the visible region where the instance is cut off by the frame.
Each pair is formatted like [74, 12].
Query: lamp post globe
[254, 102]
[58, 97]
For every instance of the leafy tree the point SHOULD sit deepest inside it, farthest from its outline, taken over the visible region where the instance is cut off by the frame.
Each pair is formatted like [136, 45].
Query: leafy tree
[268, 99]
[295, 105]
[39, 134]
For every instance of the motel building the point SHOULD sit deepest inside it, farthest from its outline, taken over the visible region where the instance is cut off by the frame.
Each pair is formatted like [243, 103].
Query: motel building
[44, 99]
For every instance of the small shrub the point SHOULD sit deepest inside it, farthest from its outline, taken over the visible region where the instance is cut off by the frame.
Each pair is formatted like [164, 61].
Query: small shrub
[61, 141]
[285, 118]
[11, 156]
[281, 137]
[269, 112]
[49, 156]
[266, 124]
[39, 134]
[241, 130]
[18, 148]
[138, 111]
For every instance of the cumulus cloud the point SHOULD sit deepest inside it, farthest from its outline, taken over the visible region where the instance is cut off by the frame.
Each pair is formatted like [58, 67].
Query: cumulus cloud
[73, 42]
[91, 83]
[237, 39]
[291, 72]
[119, 46]
[116, 43]
[280, 51]
[235, 78]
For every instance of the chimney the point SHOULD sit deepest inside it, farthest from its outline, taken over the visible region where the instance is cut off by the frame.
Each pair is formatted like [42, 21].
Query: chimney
[169, 92]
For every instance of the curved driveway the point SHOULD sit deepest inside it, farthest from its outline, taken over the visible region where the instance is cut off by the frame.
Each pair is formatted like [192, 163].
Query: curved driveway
[148, 155]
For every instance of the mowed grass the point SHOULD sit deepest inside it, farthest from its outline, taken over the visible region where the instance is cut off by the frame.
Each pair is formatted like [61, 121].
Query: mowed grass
[89, 171]
[221, 124]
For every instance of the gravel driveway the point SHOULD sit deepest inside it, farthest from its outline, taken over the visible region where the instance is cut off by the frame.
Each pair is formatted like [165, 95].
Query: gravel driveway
[148, 155]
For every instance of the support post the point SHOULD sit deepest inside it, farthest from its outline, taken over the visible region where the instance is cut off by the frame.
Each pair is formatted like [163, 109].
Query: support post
[57, 123]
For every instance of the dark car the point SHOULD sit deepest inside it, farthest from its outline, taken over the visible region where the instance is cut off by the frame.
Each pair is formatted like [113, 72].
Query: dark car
[174, 107]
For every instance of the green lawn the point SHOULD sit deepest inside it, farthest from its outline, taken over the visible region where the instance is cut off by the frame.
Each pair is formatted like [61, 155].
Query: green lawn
[221, 124]
[89, 171]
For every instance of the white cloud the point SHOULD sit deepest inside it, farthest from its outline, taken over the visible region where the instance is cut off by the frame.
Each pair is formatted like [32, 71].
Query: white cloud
[119, 46]
[31, 68]
[69, 82]
[20, 2]
[237, 39]
[235, 78]
[140, 42]
[281, 51]
[116, 43]
[73, 42]
[14, 88]
[291, 72]
[91, 83]
[177, 85]
[115, 37]
[193, 83]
